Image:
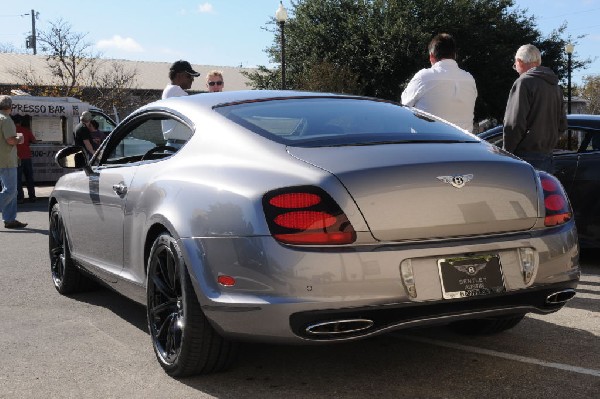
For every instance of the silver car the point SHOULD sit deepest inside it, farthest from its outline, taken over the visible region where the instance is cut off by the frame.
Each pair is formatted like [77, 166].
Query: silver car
[297, 217]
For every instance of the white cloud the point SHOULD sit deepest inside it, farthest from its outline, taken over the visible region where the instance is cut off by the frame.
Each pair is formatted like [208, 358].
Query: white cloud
[205, 8]
[120, 43]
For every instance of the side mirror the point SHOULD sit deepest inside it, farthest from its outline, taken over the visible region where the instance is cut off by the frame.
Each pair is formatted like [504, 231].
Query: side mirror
[73, 157]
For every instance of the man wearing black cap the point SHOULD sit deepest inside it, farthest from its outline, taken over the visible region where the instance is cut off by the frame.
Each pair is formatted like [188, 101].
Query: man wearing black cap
[182, 76]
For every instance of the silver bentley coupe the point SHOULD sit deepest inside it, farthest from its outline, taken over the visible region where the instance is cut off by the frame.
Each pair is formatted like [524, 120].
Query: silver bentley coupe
[297, 217]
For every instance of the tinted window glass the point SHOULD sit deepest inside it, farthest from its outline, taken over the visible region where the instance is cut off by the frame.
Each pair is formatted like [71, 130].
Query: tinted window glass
[339, 121]
[591, 141]
[569, 141]
[144, 141]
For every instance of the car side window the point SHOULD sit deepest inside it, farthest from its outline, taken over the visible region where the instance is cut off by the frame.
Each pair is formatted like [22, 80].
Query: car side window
[145, 141]
[591, 141]
[569, 141]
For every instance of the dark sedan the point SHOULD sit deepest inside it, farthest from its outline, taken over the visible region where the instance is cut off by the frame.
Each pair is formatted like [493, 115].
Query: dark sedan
[577, 162]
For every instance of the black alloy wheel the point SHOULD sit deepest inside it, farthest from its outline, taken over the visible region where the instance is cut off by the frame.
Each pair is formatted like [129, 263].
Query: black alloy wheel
[184, 341]
[57, 246]
[65, 275]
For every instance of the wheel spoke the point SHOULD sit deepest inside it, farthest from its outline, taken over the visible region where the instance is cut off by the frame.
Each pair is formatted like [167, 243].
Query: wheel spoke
[169, 306]
[56, 251]
[166, 266]
[173, 338]
[56, 230]
[162, 289]
[172, 269]
[163, 330]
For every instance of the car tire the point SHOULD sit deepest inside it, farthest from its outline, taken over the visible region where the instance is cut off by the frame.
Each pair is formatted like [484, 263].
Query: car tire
[67, 278]
[183, 339]
[486, 326]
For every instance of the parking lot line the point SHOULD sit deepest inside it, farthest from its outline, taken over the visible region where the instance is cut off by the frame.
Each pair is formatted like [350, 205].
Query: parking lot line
[508, 356]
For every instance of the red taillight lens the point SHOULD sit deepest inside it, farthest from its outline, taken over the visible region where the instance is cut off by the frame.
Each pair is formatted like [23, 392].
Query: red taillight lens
[555, 202]
[305, 220]
[295, 200]
[306, 215]
[558, 210]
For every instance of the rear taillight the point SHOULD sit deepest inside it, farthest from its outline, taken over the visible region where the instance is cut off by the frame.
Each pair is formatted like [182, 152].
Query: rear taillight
[558, 209]
[306, 215]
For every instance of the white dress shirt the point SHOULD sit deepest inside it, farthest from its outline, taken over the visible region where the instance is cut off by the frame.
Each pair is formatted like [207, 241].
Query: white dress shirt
[173, 130]
[173, 91]
[445, 91]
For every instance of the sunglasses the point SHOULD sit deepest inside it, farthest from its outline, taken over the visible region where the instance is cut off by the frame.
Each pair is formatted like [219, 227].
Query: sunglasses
[218, 83]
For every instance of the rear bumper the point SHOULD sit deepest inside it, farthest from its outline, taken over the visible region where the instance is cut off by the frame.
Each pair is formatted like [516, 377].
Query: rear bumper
[394, 317]
[282, 290]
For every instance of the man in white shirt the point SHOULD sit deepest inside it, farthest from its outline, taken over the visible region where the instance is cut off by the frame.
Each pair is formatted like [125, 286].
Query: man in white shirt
[182, 76]
[443, 90]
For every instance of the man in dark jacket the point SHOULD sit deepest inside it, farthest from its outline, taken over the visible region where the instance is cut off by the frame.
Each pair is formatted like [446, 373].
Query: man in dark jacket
[535, 114]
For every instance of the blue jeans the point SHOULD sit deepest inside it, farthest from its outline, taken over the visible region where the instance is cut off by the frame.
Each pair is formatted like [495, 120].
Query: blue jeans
[25, 169]
[8, 195]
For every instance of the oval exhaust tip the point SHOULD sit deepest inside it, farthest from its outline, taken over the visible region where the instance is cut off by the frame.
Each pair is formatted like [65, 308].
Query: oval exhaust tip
[560, 297]
[340, 327]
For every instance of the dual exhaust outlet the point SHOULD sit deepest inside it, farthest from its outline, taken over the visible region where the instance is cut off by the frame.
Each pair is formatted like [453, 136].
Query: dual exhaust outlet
[351, 326]
[340, 327]
[559, 297]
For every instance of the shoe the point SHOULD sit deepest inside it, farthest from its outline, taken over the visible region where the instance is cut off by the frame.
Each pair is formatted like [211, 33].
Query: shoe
[31, 199]
[15, 224]
[20, 200]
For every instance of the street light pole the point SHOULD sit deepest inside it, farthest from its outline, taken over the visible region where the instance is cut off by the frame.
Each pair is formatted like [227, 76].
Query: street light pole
[569, 48]
[281, 17]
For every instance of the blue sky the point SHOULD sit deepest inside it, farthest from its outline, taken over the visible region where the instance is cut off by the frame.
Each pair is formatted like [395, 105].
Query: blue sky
[229, 32]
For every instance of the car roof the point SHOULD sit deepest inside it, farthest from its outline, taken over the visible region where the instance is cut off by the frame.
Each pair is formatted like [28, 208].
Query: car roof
[584, 120]
[210, 100]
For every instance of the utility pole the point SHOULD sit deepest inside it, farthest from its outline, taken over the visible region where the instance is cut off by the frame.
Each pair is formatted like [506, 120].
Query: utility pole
[31, 40]
[34, 38]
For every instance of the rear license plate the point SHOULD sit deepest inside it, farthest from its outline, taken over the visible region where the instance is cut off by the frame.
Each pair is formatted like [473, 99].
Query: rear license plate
[469, 276]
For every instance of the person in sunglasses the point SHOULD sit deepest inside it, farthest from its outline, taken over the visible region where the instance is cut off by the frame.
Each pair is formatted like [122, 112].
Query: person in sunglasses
[214, 81]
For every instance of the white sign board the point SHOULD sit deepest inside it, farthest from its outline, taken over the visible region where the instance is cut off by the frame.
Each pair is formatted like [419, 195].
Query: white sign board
[47, 129]
[48, 106]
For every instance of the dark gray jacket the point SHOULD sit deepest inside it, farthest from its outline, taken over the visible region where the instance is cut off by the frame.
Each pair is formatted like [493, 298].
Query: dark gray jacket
[535, 113]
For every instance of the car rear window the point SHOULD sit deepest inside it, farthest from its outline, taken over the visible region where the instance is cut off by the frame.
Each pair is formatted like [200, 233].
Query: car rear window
[334, 121]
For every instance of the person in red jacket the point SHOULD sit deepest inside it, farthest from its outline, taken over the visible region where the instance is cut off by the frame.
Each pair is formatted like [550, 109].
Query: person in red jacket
[25, 168]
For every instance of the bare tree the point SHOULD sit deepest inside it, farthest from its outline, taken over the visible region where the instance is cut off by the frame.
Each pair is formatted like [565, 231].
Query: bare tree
[75, 70]
[10, 48]
[112, 84]
[68, 54]
[26, 75]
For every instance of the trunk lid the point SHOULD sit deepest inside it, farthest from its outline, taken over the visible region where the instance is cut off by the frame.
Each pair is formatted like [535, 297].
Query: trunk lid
[414, 191]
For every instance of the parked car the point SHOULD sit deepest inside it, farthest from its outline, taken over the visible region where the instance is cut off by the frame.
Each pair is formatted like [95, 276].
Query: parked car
[307, 218]
[577, 161]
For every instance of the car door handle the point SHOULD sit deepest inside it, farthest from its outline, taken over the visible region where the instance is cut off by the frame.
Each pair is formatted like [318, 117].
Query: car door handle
[120, 189]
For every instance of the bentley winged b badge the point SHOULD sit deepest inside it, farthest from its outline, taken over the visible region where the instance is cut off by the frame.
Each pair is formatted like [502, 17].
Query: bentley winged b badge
[457, 181]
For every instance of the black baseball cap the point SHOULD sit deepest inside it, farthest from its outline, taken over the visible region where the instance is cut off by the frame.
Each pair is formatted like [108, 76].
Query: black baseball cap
[183, 66]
